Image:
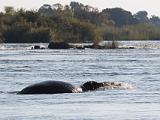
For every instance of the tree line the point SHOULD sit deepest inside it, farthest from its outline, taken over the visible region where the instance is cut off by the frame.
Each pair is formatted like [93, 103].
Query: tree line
[75, 23]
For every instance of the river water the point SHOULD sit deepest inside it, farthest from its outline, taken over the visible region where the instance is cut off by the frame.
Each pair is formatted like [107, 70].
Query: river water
[20, 67]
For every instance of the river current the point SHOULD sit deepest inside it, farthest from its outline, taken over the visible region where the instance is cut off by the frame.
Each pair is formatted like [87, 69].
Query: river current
[140, 68]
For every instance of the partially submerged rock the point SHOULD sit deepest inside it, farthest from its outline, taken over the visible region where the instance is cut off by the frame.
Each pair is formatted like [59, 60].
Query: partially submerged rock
[58, 45]
[108, 45]
[37, 47]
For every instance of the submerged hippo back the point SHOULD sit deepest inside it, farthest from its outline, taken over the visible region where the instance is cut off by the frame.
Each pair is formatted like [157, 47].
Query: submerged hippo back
[49, 87]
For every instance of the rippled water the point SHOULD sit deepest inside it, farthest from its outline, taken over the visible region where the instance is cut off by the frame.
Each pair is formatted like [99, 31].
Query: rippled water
[139, 67]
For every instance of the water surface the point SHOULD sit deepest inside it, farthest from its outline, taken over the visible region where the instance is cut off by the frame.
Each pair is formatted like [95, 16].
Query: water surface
[20, 67]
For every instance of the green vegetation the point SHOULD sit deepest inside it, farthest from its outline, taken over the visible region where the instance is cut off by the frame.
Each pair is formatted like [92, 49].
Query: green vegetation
[131, 32]
[76, 23]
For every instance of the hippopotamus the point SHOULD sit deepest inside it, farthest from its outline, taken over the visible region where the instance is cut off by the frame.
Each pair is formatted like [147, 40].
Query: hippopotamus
[57, 87]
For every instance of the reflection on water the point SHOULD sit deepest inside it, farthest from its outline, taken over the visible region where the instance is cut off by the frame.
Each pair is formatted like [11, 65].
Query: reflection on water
[21, 67]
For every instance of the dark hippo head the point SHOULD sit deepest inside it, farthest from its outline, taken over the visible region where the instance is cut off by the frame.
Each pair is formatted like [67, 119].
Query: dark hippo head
[91, 85]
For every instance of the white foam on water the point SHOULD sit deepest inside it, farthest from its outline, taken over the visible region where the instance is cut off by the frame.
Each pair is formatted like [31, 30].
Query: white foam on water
[126, 86]
[116, 85]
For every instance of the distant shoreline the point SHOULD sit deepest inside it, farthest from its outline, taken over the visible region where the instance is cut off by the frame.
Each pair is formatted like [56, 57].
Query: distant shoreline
[120, 45]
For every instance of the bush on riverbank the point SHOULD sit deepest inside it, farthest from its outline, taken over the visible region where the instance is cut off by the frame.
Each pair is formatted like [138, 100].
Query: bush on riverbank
[131, 32]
